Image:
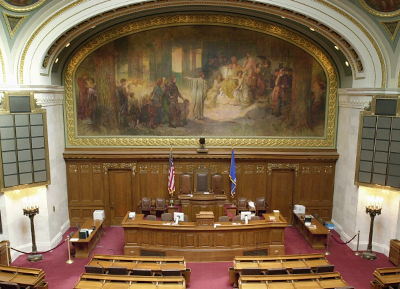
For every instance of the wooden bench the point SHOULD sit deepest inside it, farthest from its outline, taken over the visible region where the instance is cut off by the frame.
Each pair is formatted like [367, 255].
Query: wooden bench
[104, 281]
[25, 277]
[315, 236]
[385, 277]
[275, 262]
[84, 247]
[299, 281]
[155, 264]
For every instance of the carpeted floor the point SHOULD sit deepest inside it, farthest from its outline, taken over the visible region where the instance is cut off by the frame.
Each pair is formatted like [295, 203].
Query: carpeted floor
[356, 271]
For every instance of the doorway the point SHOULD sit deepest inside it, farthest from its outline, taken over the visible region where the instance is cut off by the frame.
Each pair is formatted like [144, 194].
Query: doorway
[120, 190]
[282, 183]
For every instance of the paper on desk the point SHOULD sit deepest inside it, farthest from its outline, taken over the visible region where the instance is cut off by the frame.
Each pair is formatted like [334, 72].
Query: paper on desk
[74, 239]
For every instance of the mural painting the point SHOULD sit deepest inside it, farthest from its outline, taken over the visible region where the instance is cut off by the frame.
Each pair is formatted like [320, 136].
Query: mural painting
[384, 5]
[199, 79]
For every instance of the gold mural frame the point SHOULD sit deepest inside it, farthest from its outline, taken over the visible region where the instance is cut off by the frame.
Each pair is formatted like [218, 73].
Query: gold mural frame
[378, 13]
[328, 141]
[22, 8]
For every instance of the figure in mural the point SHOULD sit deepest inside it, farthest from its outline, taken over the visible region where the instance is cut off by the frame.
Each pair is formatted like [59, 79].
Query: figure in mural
[280, 94]
[249, 65]
[122, 96]
[134, 110]
[227, 72]
[156, 97]
[260, 84]
[241, 92]
[198, 92]
[173, 93]
[82, 97]
[91, 100]
[214, 92]
[318, 87]
[144, 113]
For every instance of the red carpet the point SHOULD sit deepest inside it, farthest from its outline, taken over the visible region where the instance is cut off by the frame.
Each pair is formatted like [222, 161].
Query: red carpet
[356, 271]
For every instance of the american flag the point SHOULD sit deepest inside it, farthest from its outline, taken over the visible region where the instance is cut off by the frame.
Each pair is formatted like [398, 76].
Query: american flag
[171, 175]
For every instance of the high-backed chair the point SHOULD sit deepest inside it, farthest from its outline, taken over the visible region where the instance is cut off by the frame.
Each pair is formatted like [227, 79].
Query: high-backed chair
[151, 218]
[261, 206]
[325, 268]
[255, 218]
[166, 217]
[185, 218]
[186, 184]
[114, 270]
[315, 215]
[93, 269]
[201, 181]
[161, 206]
[223, 219]
[216, 184]
[146, 206]
[241, 204]
[237, 218]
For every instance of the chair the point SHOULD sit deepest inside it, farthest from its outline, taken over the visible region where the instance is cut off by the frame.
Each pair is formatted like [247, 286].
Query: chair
[325, 268]
[93, 269]
[237, 218]
[166, 217]
[201, 181]
[301, 270]
[216, 184]
[251, 271]
[171, 272]
[10, 285]
[277, 271]
[146, 206]
[161, 205]
[315, 215]
[186, 184]
[223, 219]
[241, 205]
[255, 218]
[78, 226]
[114, 270]
[141, 272]
[185, 218]
[151, 218]
[261, 206]
[321, 220]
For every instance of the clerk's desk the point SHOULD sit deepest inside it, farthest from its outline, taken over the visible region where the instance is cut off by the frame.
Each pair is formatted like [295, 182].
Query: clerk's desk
[204, 243]
[192, 204]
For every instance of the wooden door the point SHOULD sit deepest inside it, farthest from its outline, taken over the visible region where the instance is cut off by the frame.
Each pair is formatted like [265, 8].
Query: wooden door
[120, 190]
[282, 183]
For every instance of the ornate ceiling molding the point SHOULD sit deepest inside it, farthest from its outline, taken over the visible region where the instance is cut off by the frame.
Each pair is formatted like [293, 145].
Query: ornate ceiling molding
[391, 27]
[379, 13]
[3, 67]
[350, 52]
[22, 8]
[13, 22]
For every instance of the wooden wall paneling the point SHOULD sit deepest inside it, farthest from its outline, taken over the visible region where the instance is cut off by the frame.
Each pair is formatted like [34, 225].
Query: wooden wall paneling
[152, 182]
[304, 189]
[73, 183]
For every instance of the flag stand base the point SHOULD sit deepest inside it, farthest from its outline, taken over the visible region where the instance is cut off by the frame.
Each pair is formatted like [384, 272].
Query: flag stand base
[202, 151]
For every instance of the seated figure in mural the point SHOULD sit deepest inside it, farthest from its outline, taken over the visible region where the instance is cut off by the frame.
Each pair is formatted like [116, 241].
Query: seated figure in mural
[198, 92]
[229, 71]
[214, 92]
[241, 93]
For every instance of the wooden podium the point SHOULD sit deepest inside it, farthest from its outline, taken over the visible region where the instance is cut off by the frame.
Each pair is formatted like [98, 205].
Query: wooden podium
[205, 218]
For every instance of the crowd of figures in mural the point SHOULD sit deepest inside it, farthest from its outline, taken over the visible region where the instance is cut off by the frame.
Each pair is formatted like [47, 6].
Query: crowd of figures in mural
[256, 85]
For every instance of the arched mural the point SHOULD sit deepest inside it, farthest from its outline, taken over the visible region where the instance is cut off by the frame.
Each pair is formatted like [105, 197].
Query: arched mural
[189, 80]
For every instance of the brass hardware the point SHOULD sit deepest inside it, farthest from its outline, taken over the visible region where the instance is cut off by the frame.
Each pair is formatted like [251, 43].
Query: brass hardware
[290, 205]
[112, 206]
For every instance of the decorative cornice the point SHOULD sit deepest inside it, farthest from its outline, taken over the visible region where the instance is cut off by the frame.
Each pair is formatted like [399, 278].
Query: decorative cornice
[283, 166]
[3, 67]
[46, 100]
[361, 98]
[119, 166]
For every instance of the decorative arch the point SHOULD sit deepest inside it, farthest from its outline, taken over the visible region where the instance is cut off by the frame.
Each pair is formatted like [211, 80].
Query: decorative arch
[372, 62]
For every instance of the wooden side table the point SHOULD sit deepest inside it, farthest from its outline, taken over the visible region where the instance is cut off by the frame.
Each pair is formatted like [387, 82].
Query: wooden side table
[394, 252]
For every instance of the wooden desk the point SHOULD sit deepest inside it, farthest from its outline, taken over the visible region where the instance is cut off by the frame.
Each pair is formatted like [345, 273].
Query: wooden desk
[35, 278]
[192, 204]
[394, 253]
[275, 262]
[4, 252]
[384, 277]
[303, 281]
[196, 244]
[105, 281]
[84, 247]
[314, 236]
[156, 264]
